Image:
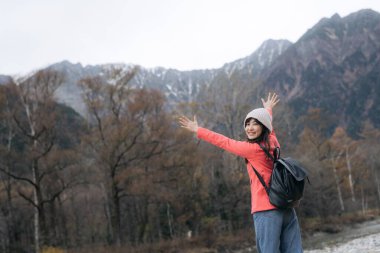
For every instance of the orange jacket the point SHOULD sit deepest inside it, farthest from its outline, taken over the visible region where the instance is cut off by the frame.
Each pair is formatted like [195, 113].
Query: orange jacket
[255, 155]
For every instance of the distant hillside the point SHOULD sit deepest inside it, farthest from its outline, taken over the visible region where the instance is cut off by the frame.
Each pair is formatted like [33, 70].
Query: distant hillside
[334, 66]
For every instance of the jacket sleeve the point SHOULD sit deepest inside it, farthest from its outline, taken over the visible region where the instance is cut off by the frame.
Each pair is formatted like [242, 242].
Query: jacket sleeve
[272, 135]
[240, 148]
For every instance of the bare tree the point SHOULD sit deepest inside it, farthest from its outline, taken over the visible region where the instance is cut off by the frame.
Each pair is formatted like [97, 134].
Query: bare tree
[222, 106]
[347, 147]
[35, 118]
[368, 148]
[313, 153]
[126, 128]
[335, 155]
[7, 130]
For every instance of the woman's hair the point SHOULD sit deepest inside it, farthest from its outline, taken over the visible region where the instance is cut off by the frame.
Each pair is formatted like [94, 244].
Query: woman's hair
[263, 139]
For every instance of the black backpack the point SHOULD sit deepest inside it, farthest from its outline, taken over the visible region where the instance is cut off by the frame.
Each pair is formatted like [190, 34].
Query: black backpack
[287, 181]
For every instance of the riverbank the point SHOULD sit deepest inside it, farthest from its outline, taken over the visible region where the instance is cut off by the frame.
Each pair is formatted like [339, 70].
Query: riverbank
[353, 233]
[367, 244]
[350, 234]
[354, 238]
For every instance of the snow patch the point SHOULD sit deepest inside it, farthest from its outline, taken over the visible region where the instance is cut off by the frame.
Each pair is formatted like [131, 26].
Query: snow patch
[330, 32]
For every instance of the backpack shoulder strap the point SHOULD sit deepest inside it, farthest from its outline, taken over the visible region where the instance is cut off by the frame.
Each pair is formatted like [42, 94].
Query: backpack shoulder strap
[276, 153]
[261, 179]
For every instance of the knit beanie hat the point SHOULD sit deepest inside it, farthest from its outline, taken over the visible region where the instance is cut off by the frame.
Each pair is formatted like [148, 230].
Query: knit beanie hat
[262, 115]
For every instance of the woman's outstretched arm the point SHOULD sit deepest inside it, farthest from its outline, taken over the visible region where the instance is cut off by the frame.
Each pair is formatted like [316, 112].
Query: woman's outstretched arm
[240, 148]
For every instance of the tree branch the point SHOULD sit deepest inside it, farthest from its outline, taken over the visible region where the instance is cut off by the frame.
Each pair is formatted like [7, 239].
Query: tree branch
[28, 199]
[18, 177]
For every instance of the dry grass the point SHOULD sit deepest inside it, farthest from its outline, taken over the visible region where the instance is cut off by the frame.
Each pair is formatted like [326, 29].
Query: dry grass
[202, 244]
[52, 250]
[212, 243]
[334, 224]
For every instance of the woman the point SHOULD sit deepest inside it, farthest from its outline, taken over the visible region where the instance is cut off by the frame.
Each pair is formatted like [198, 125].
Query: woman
[277, 230]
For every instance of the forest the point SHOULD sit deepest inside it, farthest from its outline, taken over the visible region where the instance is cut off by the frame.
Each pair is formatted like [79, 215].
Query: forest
[127, 178]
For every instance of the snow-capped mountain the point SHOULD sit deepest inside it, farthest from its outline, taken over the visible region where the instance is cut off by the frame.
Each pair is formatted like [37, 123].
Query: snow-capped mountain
[334, 66]
[178, 86]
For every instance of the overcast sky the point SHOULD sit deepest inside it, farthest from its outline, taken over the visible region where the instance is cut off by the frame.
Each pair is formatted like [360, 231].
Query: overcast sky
[181, 34]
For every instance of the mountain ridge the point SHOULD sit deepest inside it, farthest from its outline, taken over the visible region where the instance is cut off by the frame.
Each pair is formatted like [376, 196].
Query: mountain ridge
[334, 58]
[329, 64]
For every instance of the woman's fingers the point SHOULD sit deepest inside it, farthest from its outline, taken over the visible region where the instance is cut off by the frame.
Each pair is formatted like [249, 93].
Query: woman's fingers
[187, 123]
[271, 101]
[184, 121]
[274, 99]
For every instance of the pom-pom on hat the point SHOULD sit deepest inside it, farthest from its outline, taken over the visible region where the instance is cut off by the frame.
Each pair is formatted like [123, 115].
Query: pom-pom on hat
[262, 115]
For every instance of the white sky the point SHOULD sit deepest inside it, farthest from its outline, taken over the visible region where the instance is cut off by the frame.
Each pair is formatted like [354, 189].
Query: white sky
[181, 34]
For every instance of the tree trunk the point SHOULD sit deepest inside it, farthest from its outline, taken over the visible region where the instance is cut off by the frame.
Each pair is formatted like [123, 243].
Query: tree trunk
[115, 215]
[107, 213]
[364, 206]
[9, 239]
[378, 186]
[143, 220]
[40, 233]
[338, 189]
[377, 182]
[169, 217]
[53, 224]
[63, 224]
[36, 217]
[348, 162]
[35, 178]
[10, 218]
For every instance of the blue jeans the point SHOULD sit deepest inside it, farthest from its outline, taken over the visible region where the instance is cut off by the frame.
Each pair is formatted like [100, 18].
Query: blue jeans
[277, 231]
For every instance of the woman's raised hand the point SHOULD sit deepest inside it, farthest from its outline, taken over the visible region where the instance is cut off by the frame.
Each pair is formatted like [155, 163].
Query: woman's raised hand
[271, 101]
[188, 124]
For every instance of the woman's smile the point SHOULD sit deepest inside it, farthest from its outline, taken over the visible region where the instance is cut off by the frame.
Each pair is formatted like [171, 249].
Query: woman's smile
[253, 129]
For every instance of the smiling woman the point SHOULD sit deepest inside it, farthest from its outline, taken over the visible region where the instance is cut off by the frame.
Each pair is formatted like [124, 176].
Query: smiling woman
[277, 230]
[253, 128]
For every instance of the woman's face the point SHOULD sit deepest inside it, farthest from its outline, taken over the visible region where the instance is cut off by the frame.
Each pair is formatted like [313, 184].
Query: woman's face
[253, 129]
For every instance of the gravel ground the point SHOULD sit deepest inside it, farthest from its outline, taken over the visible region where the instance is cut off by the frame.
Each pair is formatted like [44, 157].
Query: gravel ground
[366, 244]
[355, 238]
[358, 238]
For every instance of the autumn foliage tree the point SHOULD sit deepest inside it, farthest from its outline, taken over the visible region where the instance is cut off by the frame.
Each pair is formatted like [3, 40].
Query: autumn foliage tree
[368, 149]
[124, 176]
[42, 173]
[312, 152]
[222, 108]
[8, 98]
[128, 129]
